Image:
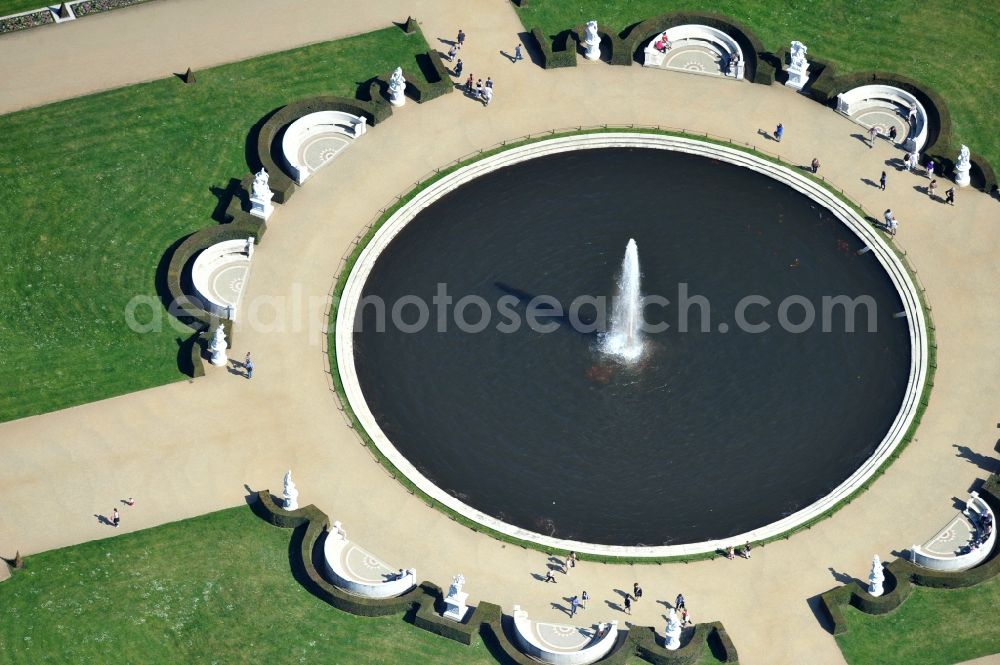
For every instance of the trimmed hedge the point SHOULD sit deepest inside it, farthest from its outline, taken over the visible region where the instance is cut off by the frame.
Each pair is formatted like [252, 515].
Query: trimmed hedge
[647, 645]
[756, 69]
[902, 575]
[487, 619]
[621, 54]
[556, 52]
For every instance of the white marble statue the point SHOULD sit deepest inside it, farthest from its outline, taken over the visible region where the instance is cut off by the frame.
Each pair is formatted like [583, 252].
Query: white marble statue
[798, 69]
[218, 347]
[799, 51]
[673, 641]
[397, 86]
[593, 41]
[962, 167]
[876, 577]
[455, 607]
[291, 494]
[260, 198]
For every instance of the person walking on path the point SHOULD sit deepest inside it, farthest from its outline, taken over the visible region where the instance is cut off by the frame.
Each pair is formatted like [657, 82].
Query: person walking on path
[872, 135]
[686, 618]
[779, 131]
[115, 518]
[746, 550]
[949, 196]
[815, 165]
[248, 365]
[890, 222]
[479, 88]
[571, 559]
[468, 85]
[518, 55]
[932, 189]
[574, 605]
[458, 68]
[628, 605]
[584, 597]
[679, 602]
[914, 161]
[636, 591]
[881, 181]
[549, 577]
[452, 52]
[930, 169]
[461, 38]
[130, 501]
[730, 553]
[487, 95]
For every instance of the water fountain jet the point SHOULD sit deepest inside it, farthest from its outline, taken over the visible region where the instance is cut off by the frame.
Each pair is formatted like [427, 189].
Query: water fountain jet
[624, 339]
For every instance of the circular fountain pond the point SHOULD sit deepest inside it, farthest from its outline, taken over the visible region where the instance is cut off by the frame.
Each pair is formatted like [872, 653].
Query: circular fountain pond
[711, 432]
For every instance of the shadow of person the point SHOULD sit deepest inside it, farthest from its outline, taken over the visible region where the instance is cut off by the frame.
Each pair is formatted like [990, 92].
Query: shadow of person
[101, 519]
[862, 138]
[614, 606]
[561, 608]
[509, 56]
[870, 182]
[623, 594]
[665, 603]
[766, 134]
[540, 578]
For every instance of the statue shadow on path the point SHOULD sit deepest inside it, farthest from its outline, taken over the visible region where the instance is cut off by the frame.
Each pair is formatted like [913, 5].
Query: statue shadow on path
[843, 578]
[984, 462]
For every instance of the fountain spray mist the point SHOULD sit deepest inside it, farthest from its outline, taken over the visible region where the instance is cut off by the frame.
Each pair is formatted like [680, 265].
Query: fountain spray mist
[623, 339]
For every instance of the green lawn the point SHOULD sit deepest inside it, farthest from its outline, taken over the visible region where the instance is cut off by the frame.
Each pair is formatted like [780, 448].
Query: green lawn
[8, 7]
[953, 50]
[215, 588]
[96, 189]
[212, 589]
[931, 627]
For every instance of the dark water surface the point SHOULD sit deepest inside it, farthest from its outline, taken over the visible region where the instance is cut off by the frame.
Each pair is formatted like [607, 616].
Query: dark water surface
[714, 433]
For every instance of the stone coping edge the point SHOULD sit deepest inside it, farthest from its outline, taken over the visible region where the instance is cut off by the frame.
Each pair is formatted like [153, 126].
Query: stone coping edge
[354, 288]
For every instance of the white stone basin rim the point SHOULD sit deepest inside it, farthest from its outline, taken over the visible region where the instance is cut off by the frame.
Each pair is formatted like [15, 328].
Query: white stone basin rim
[890, 262]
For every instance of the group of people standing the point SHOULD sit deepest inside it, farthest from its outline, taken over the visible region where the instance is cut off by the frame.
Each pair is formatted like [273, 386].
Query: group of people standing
[474, 87]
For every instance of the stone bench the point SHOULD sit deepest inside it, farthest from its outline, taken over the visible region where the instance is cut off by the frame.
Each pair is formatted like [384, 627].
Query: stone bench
[219, 273]
[563, 645]
[701, 35]
[313, 140]
[949, 549]
[356, 571]
[852, 102]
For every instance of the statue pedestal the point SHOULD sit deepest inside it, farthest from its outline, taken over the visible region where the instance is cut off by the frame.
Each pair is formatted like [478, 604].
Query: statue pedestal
[397, 98]
[797, 77]
[261, 206]
[673, 641]
[593, 50]
[962, 178]
[456, 607]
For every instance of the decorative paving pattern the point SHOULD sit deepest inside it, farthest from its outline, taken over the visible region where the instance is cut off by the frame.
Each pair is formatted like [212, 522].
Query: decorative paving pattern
[226, 281]
[365, 567]
[883, 118]
[950, 540]
[322, 149]
[693, 58]
[559, 637]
